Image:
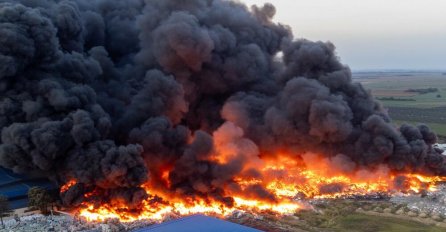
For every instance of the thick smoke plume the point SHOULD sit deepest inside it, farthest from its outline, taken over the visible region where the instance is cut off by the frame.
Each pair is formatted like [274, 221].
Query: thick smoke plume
[113, 93]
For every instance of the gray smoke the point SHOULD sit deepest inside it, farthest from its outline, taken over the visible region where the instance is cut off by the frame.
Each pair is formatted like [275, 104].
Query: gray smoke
[111, 92]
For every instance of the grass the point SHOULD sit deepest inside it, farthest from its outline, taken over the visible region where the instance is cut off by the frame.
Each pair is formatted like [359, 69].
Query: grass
[340, 215]
[366, 223]
[421, 100]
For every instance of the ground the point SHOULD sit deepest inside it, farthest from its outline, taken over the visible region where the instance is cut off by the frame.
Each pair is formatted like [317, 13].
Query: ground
[367, 223]
[400, 213]
[391, 88]
[352, 216]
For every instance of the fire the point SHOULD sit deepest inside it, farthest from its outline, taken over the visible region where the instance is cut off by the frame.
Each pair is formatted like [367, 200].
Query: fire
[319, 179]
[160, 210]
[67, 185]
[286, 179]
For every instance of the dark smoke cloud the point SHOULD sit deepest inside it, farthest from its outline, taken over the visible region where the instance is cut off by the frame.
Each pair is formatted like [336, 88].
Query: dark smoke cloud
[112, 92]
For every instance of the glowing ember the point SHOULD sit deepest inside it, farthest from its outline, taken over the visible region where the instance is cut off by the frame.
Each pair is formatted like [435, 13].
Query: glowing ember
[285, 180]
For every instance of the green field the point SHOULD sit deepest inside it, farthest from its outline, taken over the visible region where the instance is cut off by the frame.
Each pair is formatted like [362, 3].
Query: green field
[391, 89]
[343, 215]
[367, 223]
[396, 84]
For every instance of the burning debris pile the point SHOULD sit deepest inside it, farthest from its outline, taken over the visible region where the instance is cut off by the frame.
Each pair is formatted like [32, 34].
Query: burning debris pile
[140, 108]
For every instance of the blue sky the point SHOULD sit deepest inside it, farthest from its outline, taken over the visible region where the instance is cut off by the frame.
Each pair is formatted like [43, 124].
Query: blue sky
[372, 34]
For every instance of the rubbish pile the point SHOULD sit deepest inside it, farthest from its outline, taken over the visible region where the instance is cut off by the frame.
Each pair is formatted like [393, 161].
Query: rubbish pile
[432, 203]
[41, 223]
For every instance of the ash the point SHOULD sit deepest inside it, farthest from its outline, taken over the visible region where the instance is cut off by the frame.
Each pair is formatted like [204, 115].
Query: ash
[433, 203]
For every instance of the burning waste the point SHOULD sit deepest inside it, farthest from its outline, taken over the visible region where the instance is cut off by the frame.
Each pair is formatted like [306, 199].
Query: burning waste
[140, 108]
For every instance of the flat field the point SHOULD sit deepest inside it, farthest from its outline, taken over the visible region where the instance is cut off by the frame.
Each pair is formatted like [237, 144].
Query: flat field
[395, 84]
[367, 223]
[402, 94]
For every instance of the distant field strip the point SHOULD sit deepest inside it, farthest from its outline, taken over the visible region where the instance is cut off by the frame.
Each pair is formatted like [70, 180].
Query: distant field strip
[412, 114]
[398, 85]
[392, 93]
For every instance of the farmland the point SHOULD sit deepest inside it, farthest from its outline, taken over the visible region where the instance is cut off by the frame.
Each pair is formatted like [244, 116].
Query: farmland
[410, 97]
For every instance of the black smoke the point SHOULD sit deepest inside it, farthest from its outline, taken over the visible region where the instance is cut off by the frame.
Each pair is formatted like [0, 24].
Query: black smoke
[110, 92]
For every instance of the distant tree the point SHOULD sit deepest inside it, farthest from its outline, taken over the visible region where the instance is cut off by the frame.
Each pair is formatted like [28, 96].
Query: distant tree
[422, 91]
[4, 208]
[39, 198]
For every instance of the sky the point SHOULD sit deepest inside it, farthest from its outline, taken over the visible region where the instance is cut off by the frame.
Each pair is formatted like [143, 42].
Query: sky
[372, 34]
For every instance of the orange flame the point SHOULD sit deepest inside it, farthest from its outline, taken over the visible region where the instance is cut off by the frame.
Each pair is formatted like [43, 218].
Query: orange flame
[68, 185]
[158, 211]
[286, 178]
